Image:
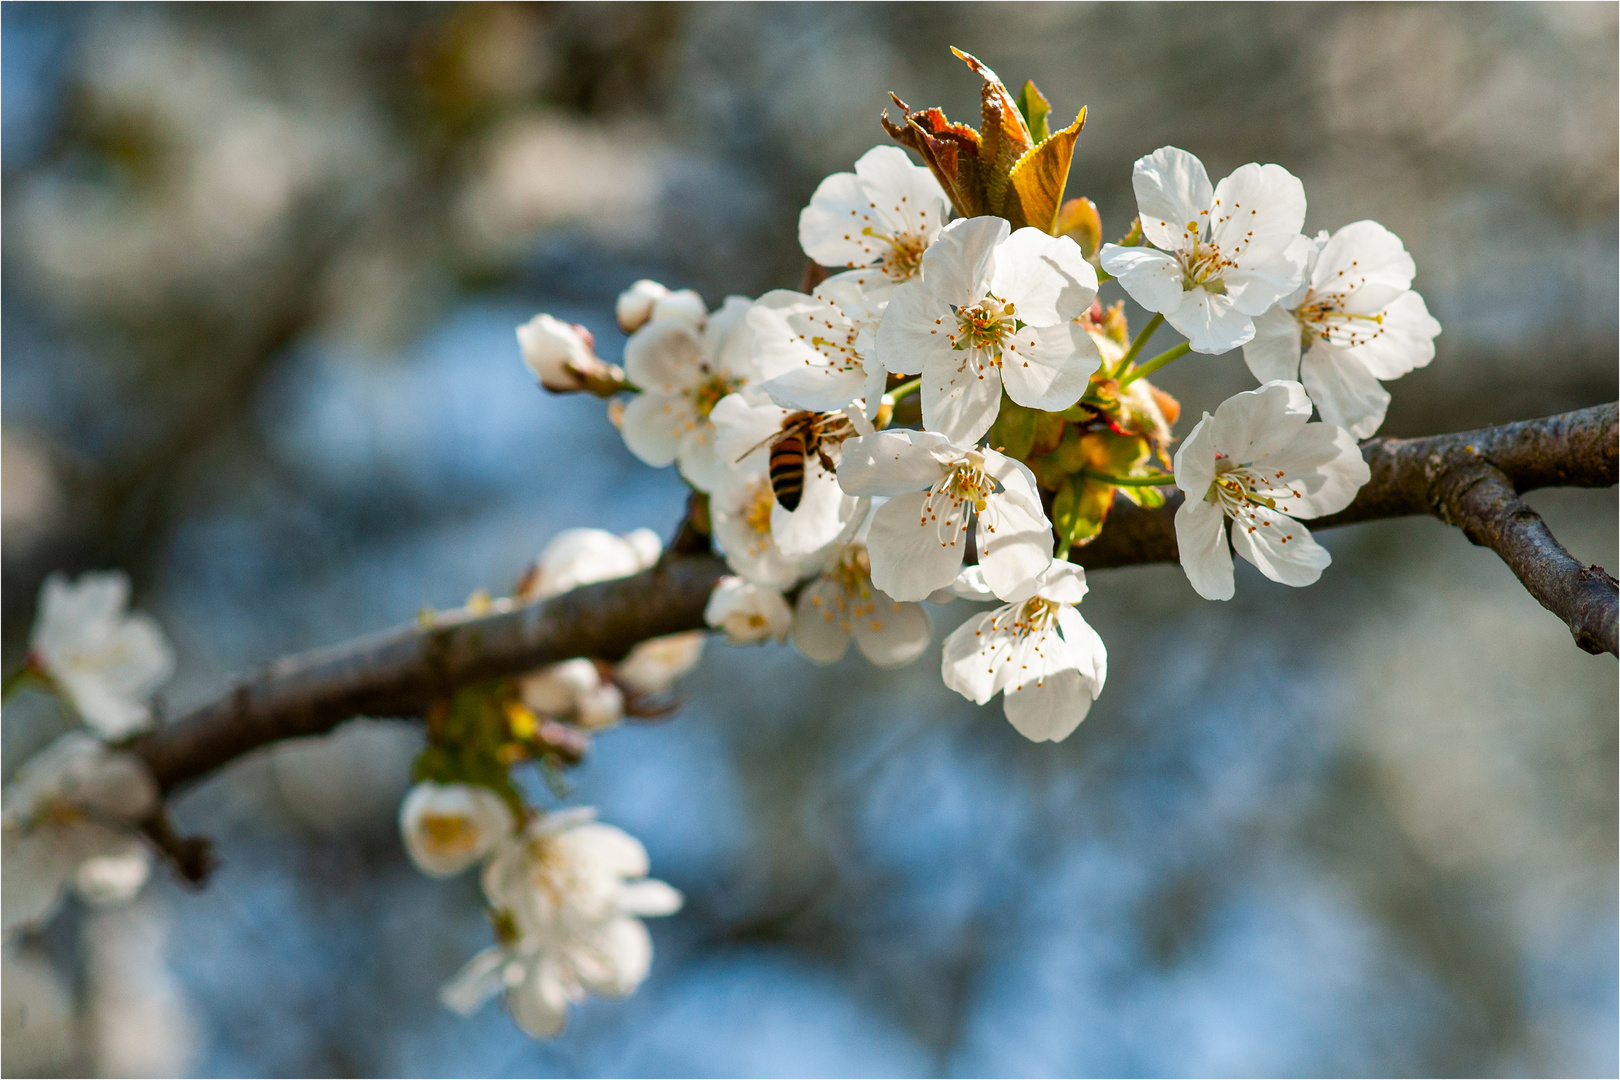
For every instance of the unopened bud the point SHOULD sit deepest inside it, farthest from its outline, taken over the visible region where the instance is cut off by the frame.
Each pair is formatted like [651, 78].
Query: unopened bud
[635, 306]
[684, 304]
[562, 356]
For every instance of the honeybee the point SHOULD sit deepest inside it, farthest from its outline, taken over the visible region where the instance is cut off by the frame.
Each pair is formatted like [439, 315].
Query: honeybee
[802, 434]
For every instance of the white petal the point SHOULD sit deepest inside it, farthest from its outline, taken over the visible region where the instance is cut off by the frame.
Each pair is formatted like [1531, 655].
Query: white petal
[608, 848]
[965, 664]
[1325, 462]
[911, 556]
[616, 959]
[1273, 352]
[728, 341]
[961, 395]
[1172, 191]
[32, 877]
[1049, 710]
[1210, 323]
[891, 634]
[649, 898]
[1201, 538]
[905, 197]
[1194, 462]
[478, 981]
[1153, 278]
[653, 426]
[823, 513]
[1367, 264]
[957, 267]
[1258, 211]
[1405, 339]
[1258, 423]
[892, 462]
[1063, 582]
[743, 426]
[831, 226]
[698, 462]
[914, 329]
[1086, 645]
[1049, 367]
[1344, 390]
[1045, 277]
[115, 873]
[820, 625]
[540, 1002]
[662, 357]
[1281, 547]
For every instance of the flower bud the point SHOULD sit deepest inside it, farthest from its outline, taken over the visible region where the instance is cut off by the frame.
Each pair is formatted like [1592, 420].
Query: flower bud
[748, 613]
[563, 357]
[685, 305]
[573, 690]
[653, 666]
[449, 827]
[635, 306]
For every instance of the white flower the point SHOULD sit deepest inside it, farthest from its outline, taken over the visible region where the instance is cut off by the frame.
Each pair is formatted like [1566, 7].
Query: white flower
[748, 613]
[557, 353]
[67, 820]
[570, 895]
[1221, 256]
[576, 557]
[1259, 463]
[573, 690]
[918, 538]
[105, 661]
[683, 372]
[1046, 658]
[743, 501]
[884, 214]
[1357, 321]
[653, 666]
[449, 827]
[635, 305]
[816, 352]
[992, 310]
[843, 603]
[683, 305]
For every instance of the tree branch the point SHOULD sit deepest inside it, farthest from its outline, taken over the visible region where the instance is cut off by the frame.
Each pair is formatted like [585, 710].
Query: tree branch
[1471, 480]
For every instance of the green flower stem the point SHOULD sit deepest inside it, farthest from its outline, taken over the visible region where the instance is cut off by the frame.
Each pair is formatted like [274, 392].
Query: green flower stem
[1160, 480]
[1062, 553]
[1137, 343]
[1155, 364]
[905, 389]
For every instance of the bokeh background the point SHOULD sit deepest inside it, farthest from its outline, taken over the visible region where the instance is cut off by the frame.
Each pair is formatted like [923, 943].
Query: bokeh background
[261, 270]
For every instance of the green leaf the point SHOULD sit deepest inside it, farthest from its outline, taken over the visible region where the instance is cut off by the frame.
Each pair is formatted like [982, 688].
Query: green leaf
[1033, 104]
[1013, 433]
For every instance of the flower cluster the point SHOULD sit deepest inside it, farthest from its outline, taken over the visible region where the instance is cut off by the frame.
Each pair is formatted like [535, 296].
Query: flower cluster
[70, 812]
[951, 411]
[566, 896]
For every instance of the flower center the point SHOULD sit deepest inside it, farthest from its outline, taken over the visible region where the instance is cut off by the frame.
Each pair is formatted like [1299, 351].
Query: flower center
[451, 834]
[1245, 493]
[904, 255]
[706, 394]
[985, 326]
[966, 488]
[1322, 318]
[1203, 266]
[757, 512]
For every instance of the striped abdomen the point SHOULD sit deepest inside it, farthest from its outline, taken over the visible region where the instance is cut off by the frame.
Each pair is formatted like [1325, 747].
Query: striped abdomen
[787, 469]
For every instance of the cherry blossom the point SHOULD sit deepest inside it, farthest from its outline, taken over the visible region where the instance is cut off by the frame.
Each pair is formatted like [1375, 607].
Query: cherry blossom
[575, 691]
[557, 353]
[450, 827]
[576, 557]
[1038, 652]
[843, 604]
[885, 214]
[918, 538]
[634, 308]
[748, 613]
[1356, 320]
[683, 372]
[68, 820]
[653, 666]
[992, 310]
[1258, 462]
[106, 662]
[1220, 256]
[750, 522]
[816, 352]
[569, 895]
